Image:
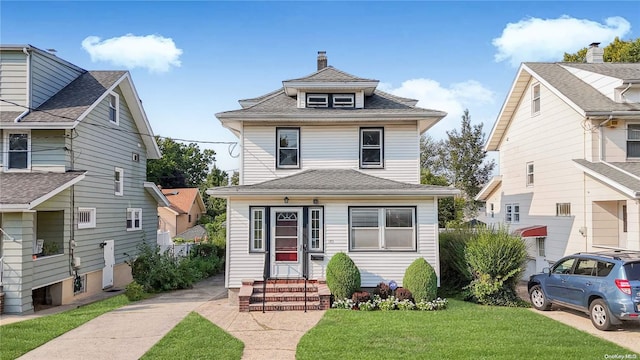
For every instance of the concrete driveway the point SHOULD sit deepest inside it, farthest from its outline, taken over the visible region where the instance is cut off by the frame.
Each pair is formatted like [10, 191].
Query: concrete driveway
[627, 335]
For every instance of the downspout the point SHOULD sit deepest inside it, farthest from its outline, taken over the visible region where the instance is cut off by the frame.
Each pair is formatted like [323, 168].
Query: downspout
[624, 91]
[28, 86]
[72, 199]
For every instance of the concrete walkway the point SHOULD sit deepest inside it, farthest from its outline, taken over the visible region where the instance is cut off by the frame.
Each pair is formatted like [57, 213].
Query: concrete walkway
[130, 331]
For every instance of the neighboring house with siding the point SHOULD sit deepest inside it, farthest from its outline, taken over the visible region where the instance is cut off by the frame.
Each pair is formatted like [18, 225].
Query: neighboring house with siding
[329, 164]
[185, 209]
[569, 141]
[74, 200]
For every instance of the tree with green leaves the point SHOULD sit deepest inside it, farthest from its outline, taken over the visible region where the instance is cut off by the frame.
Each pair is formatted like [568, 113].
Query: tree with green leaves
[459, 160]
[617, 51]
[181, 165]
[217, 177]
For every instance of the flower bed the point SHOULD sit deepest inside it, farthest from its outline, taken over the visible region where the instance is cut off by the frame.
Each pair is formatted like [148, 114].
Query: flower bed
[390, 303]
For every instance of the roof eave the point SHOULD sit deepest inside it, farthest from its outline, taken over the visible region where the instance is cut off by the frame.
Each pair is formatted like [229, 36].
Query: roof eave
[435, 115]
[291, 88]
[156, 193]
[608, 181]
[56, 191]
[224, 192]
[38, 125]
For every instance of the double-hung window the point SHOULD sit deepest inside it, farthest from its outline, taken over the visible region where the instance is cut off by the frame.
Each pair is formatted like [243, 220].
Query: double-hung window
[257, 230]
[118, 181]
[134, 219]
[288, 152]
[633, 141]
[530, 174]
[18, 150]
[380, 229]
[535, 99]
[86, 218]
[371, 148]
[315, 230]
[114, 108]
[512, 213]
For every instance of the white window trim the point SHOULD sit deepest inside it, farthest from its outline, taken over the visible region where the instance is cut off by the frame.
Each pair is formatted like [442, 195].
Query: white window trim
[381, 147]
[278, 165]
[530, 171]
[320, 247]
[382, 211]
[541, 249]
[121, 181]
[343, 104]
[628, 140]
[509, 211]
[92, 218]
[534, 99]
[117, 107]
[133, 212]
[252, 239]
[563, 206]
[318, 105]
[5, 158]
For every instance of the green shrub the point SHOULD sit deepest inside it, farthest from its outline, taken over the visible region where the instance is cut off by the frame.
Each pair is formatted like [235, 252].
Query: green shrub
[343, 276]
[454, 270]
[421, 280]
[135, 291]
[497, 260]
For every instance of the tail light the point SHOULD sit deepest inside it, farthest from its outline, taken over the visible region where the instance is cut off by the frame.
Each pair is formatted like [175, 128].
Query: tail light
[624, 286]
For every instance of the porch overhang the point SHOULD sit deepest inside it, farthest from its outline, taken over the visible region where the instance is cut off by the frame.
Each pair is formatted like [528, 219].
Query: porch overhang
[489, 188]
[24, 191]
[156, 193]
[531, 231]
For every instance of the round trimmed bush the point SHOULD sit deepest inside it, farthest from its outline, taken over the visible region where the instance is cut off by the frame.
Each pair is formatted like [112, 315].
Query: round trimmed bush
[343, 276]
[421, 280]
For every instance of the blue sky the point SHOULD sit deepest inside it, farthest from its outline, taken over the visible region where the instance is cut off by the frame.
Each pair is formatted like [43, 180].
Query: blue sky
[190, 60]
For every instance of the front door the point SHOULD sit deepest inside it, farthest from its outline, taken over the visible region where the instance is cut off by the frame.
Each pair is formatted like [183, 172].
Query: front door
[286, 242]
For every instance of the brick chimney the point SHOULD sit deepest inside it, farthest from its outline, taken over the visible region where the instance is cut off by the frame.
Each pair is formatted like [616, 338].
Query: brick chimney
[595, 54]
[322, 60]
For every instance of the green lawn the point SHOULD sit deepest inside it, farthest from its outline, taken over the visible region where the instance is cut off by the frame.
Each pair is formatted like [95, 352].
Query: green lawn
[463, 331]
[19, 338]
[196, 338]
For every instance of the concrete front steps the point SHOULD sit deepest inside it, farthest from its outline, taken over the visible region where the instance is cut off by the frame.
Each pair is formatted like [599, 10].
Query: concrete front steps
[283, 295]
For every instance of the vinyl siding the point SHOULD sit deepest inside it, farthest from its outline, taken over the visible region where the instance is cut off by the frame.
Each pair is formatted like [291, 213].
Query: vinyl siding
[18, 263]
[13, 80]
[48, 76]
[374, 266]
[331, 146]
[48, 150]
[550, 140]
[98, 147]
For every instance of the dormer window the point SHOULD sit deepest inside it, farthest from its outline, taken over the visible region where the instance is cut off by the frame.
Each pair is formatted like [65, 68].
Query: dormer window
[318, 100]
[343, 100]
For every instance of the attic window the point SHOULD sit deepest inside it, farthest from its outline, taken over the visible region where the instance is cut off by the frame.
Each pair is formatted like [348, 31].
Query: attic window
[535, 99]
[318, 100]
[342, 100]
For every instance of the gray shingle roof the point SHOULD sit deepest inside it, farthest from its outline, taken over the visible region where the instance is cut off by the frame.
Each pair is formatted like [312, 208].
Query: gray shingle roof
[582, 94]
[378, 103]
[334, 181]
[24, 188]
[9, 116]
[74, 99]
[197, 231]
[330, 74]
[614, 173]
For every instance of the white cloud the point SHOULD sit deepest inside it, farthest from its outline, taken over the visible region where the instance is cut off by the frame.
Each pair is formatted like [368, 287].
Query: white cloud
[453, 99]
[154, 52]
[431, 95]
[535, 39]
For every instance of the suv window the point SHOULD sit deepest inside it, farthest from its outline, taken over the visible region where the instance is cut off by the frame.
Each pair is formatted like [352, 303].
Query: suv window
[633, 271]
[604, 268]
[585, 267]
[564, 267]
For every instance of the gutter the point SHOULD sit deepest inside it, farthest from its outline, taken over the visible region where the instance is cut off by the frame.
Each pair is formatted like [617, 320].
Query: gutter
[337, 193]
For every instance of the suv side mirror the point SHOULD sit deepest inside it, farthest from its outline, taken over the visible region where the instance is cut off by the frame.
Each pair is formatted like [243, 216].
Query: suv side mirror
[546, 271]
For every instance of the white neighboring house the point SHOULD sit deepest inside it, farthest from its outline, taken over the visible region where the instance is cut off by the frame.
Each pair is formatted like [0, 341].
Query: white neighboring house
[569, 142]
[329, 164]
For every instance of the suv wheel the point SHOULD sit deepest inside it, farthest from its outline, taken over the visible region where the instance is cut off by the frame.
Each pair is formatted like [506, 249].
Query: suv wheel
[539, 299]
[600, 315]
